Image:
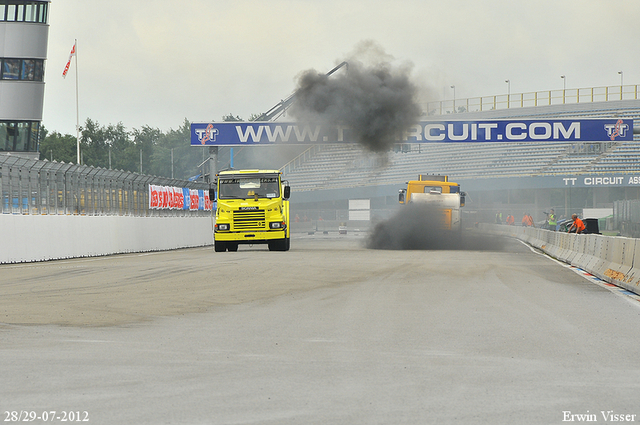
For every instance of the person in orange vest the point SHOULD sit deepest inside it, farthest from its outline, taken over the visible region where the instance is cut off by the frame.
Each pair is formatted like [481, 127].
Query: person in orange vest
[530, 221]
[577, 226]
[510, 220]
[525, 220]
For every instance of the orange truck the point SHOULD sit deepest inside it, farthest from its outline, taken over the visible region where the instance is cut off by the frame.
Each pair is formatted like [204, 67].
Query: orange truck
[441, 195]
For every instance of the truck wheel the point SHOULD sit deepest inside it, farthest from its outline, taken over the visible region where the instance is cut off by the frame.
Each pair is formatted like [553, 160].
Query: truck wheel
[219, 246]
[278, 245]
[232, 247]
[287, 244]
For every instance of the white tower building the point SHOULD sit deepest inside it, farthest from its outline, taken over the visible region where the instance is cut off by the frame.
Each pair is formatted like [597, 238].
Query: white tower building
[24, 33]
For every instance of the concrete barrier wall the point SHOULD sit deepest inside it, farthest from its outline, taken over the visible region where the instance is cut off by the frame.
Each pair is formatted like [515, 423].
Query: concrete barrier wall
[633, 277]
[25, 238]
[611, 258]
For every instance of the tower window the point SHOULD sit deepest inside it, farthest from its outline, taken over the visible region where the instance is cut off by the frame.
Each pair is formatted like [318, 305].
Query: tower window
[24, 11]
[22, 69]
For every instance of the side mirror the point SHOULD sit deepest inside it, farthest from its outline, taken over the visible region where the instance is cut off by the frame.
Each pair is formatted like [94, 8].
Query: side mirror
[401, 196]
[212, 194]
[287, 192]
[462, 198]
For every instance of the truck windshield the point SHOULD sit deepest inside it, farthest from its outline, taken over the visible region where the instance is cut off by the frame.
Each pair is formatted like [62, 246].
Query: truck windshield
[243, 188]
[432, 189]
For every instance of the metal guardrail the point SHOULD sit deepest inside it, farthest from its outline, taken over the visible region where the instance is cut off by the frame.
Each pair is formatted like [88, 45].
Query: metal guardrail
[41, 187]
[299, 160]
[539, 98]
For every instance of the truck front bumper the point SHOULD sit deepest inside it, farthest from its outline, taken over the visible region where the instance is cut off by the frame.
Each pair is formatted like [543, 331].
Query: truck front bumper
[250, 237]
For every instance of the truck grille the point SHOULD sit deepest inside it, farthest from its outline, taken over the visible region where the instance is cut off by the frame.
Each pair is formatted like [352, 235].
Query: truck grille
[247, 220]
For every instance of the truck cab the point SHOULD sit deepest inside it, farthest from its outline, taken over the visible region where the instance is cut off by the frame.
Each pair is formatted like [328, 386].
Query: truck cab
[252, 208]
[440, 195]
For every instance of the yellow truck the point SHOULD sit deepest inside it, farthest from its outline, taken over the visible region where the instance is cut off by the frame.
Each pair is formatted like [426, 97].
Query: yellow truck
[252, 208]
[442, 197]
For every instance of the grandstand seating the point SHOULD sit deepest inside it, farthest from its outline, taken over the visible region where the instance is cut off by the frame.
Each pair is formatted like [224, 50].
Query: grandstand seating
[347, 165]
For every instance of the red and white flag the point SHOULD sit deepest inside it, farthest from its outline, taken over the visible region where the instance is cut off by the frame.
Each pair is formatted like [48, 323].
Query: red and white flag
[71, 55]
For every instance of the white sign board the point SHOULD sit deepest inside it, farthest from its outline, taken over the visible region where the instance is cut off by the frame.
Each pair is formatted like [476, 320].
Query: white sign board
[597, 212]
[364, 215]
[359, 204]
[359, 209]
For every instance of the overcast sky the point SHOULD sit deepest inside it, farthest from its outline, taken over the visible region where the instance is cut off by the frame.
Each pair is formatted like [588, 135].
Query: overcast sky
[157, 62]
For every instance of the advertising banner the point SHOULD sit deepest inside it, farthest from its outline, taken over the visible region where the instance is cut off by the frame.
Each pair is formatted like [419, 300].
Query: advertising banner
[450, 131]
[179, 198]
[577, 181]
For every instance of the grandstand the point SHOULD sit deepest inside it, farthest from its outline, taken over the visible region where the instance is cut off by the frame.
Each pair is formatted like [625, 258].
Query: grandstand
[342, 166]
[335, 173]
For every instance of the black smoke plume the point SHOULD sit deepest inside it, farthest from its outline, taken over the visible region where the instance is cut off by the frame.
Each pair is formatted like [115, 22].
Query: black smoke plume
[417, 227]
[375, 100]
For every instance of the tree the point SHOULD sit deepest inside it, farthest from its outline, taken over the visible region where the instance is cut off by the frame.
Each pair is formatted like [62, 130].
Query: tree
[124, 156]
[93, 144]
[231, 117]
[145, 141]
[58, 147]
[108, 147]
[99, 143]
[186, 158]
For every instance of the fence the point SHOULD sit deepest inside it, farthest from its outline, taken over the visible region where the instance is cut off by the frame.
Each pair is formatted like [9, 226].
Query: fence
[540, 98]
[57, 188]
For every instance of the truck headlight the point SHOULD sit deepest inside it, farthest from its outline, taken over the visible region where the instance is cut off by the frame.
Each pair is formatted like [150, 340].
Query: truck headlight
[222, 226]
[276, 225]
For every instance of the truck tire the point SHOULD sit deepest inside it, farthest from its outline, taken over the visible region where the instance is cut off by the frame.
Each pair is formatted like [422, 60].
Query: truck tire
[232, 247]
[219, 246]
[279, 245]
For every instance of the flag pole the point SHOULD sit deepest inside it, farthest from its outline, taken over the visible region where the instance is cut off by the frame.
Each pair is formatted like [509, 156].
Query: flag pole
[77, 110]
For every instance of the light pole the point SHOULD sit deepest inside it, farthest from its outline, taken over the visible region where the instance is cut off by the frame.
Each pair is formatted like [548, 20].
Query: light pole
[454, 98]
[508, 92]
[621, 84]
[564, 86]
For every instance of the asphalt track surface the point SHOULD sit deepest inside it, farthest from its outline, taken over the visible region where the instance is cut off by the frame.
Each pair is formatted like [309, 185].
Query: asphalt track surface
[327, 333]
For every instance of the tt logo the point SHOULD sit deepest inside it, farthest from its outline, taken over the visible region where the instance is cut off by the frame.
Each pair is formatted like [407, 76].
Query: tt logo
[615, 130]
[208, 134]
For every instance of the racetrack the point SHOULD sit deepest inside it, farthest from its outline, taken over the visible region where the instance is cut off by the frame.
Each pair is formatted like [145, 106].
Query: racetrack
[329, 332]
